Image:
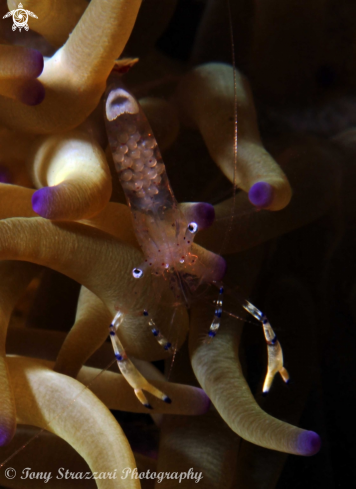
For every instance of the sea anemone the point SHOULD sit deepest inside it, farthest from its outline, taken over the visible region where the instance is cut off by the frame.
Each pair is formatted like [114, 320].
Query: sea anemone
[259, 127]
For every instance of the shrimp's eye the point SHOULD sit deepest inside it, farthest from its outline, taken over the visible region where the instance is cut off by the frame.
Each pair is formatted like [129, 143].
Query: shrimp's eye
[137, 273]
[193, 227]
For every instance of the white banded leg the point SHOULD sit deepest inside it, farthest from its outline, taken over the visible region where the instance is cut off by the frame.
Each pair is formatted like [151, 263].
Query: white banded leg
[137, 273]
[160, 338]
[128, 369]
[274, 349]
[215, 324]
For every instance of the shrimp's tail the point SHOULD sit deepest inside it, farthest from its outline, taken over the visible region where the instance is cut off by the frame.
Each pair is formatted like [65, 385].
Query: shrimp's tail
[128, 369]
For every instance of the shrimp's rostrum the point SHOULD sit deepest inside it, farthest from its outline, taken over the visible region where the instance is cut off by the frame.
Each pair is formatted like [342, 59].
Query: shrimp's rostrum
[165, 236]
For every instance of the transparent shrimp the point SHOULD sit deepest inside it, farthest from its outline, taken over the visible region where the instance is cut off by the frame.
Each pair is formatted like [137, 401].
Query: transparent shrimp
[165, 235]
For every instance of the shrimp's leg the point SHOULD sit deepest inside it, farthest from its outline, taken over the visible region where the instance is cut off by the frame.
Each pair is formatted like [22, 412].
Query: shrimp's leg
[274, 349]
[129, 371]
[215, 324]
[160, 338]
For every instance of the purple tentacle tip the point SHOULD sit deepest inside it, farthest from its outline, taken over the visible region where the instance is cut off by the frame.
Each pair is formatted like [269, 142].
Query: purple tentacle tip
[5, 436]
[41, 201]
[207, 405]
[35, 59]
[309, 443]
[5, 176]
[220, 268]
[205, 215]
[261, 194]
[33, 93]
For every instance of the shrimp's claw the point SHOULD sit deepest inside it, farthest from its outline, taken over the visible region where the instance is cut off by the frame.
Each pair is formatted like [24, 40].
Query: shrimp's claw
[139, 383]
[285, 375]
[274, 349]
[128, 369]
[275, 365]
[154, 391]
[142, 398]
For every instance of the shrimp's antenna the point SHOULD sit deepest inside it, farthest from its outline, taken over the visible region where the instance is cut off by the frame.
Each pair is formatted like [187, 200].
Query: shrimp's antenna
[175, 349]
[233, 62]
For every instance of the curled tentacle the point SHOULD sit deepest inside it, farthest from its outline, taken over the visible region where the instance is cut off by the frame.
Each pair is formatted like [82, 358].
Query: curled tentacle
[73, 174]
[20, 68]
[34, 342]
[116, 220]
[204, 444]
[26, 91]
[46, 399]
[15, 277]
[14, 153]
[75, 76]
[15, 201]
[206, 97]
[88, 333]
[20, 62]
[52, 453]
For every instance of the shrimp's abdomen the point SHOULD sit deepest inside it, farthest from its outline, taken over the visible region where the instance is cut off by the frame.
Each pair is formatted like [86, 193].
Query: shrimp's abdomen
[136, 155]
